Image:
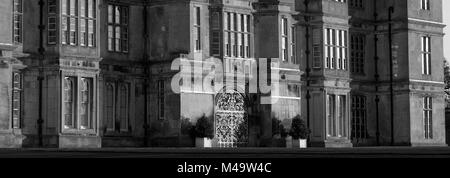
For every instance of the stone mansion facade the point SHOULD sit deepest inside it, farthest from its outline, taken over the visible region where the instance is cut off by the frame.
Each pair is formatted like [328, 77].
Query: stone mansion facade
[98, 73]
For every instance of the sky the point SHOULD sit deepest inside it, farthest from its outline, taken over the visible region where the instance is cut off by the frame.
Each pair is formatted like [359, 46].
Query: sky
[446, 8]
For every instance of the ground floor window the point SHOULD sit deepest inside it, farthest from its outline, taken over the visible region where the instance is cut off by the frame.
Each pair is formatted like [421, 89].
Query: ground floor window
[78, 103]
[336, 115]
[161, 99]
[17, 100]
[116, 107]
[428, 117]
[86, 103]
[359, 118]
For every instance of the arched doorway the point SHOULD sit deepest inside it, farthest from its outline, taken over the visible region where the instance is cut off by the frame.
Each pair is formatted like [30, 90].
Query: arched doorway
[231, 120]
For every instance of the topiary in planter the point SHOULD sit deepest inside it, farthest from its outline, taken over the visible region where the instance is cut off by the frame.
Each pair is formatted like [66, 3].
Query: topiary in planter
[204, 128]
[278, 128]
[299, 130]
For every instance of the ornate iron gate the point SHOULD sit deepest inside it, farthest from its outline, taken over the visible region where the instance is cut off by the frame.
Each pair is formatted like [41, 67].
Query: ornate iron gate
[231, 121]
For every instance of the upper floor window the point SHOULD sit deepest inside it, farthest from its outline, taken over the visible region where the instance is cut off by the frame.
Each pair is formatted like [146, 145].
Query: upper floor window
[344, 1]
[357, 45]
[17, 21]
[197, 28]
[336, 49]
[426, 55]
[425, 4]
[215, 34]
[428, 117]
[117, 28]
[293, 45]
[237, 35]
[52, 28]
[356, 3]
[78, 22]
[284, 39]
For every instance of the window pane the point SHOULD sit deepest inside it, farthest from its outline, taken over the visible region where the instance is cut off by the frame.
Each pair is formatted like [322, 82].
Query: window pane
[110, 106]
[73, 7]
[123, 108]
[64, 7]
[110, 14]
[85, 108]
[69, 87]
[110, 37]
[91, 9]
[82, 8]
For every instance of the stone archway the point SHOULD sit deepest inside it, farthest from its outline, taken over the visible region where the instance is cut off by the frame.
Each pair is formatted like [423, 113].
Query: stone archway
[231, 120]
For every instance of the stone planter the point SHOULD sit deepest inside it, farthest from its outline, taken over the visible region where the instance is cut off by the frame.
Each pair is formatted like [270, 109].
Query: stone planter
[299, 143]
[295, 143]
[203, 142]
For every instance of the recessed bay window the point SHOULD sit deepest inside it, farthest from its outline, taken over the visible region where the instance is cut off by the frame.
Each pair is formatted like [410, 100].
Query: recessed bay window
[116, 107]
